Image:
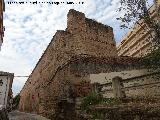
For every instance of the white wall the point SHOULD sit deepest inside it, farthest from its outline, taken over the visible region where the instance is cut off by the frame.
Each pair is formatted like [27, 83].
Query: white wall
[103, 78]
[151, 82]
[4, 90]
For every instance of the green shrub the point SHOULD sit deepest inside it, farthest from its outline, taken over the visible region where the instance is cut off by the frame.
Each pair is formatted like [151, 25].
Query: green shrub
[152, 59]
[95, 98]
[91, 99]
[110, 101]
[16, 100]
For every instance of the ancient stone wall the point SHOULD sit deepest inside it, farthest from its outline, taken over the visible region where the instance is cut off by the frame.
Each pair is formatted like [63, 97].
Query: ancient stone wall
[73, 41]
[56, 71]
[92, 37]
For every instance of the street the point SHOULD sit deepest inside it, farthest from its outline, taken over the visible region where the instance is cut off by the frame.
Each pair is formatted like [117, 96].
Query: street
[16, 115]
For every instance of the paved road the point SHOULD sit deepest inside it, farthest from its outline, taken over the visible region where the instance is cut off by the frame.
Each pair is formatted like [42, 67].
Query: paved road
[16, 115]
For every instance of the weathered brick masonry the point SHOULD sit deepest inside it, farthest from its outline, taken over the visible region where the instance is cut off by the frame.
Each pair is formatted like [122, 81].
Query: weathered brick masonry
[85, 47]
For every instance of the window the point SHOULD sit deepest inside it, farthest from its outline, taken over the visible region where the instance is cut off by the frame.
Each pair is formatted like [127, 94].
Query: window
[1, 82]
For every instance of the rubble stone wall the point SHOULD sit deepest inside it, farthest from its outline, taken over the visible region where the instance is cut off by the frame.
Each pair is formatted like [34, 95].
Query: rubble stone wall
[47, 82]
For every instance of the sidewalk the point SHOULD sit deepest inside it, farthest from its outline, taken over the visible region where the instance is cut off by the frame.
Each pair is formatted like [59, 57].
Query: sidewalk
[16, 115]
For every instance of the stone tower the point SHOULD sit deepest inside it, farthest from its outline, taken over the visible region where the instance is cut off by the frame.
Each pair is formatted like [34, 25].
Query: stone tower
[90, 37]
[47, 82]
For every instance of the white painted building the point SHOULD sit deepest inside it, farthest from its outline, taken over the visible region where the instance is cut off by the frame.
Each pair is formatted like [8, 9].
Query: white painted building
[6, 80]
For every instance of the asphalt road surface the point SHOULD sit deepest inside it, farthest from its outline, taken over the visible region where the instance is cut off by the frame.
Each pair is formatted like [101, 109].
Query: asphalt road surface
[16, 115]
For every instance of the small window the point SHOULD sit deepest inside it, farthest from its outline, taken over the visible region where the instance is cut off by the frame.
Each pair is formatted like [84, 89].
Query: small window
[1, 82]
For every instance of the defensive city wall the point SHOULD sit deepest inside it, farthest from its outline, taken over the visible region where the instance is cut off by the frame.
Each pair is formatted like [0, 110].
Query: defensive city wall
[82, 37]
[85, 47]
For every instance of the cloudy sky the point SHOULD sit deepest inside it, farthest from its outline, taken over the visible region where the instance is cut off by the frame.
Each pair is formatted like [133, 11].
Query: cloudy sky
[29, 28]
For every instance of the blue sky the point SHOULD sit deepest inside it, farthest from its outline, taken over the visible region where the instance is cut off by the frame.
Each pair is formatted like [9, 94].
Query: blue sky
[29, 29]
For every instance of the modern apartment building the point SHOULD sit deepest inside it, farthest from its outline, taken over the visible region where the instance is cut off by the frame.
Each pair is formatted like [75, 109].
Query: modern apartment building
[137, 42]
[2, 8]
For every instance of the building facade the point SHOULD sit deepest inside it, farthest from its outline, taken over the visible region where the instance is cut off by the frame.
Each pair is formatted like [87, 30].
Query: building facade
[6, 80]
[137, 42]
[2, 8]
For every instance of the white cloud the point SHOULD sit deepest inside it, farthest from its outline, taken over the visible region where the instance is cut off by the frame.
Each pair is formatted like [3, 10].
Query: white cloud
[29, 29]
